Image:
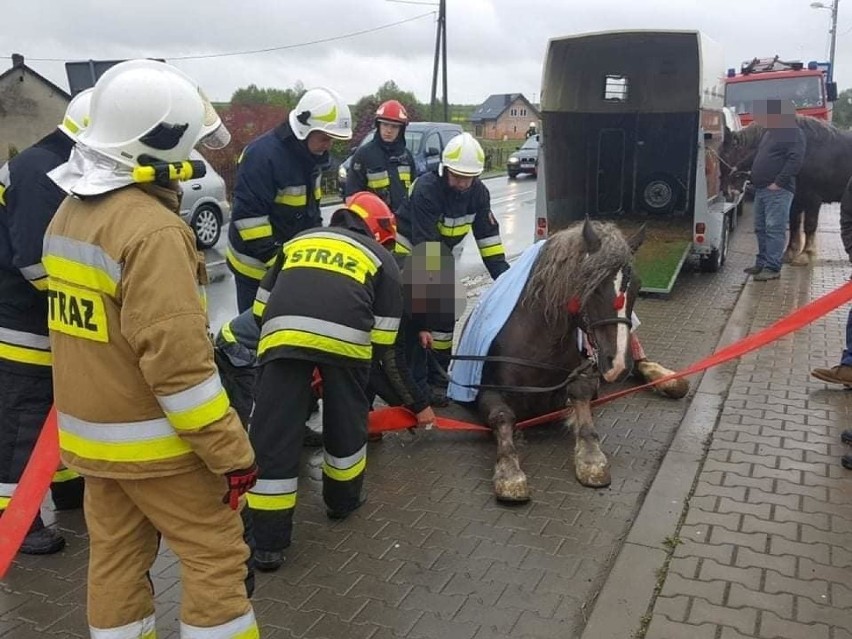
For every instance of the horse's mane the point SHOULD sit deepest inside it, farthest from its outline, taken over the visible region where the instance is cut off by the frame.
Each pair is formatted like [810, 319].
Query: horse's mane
[563, 269]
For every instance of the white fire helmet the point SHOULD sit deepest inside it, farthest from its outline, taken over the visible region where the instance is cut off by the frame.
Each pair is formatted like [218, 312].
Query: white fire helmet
[148, 108]
[321, 110]
[463, 156]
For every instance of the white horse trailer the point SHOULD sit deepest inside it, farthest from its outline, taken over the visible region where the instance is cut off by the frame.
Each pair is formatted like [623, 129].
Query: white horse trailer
[631, 122]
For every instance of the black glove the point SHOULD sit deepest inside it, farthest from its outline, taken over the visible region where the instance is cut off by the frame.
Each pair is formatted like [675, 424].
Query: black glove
[239, 483]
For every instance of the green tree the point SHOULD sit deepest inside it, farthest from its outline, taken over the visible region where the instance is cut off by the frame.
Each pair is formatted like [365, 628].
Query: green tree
[252, 94]
[842, 113]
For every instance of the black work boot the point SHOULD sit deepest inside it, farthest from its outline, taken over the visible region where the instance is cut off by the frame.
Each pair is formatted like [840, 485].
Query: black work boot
[846, 462]
[846, 436]
[41, 540]
[268, 560]
[343, 514]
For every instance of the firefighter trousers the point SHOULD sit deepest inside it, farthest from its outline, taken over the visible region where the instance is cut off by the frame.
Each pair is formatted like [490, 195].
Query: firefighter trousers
[125, 519]
[276, 431]
[25, 402]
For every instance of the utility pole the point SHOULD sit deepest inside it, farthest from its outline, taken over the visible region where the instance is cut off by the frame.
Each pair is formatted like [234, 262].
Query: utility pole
[440, 52]
[833, 40]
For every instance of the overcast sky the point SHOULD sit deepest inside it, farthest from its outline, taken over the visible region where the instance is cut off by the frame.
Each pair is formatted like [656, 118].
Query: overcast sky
[494, 46]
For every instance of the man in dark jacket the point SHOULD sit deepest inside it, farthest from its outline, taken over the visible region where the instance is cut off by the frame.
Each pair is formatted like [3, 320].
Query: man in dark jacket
[773, 174]
[277, 193]
[384, 165]
[28, 201]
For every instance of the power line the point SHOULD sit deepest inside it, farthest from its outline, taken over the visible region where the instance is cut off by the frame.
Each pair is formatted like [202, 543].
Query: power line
[270, 49]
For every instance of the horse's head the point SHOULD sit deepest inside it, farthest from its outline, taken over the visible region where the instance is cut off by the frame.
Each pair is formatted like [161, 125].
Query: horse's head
[605, 314]
[737, 154]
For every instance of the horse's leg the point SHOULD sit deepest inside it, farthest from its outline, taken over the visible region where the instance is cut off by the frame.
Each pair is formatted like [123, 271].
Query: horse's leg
[510, 482]
[590, 464]
[811, 224]
[796, 241]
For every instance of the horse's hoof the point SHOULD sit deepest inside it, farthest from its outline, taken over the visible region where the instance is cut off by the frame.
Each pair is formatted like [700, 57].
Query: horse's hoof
[510, 482]
[674, 389]
[802, 259]
[594, 474]
[513, 490]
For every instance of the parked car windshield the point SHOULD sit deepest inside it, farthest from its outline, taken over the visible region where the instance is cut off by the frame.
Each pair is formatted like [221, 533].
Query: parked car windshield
[413, 140]
[531, 143]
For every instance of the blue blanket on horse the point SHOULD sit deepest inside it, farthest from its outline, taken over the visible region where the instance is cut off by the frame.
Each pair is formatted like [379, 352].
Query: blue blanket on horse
[485, 323]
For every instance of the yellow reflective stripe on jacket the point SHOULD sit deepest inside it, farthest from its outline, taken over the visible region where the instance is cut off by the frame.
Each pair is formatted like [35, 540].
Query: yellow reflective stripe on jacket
[292, 196]
[378, 180]
[6, 492]
[243, 627]
[150, 440]
[402, 245]
[490, 246]
[273, 494]
[404, 173]
[2, 195]
[258, 306]
[331, 252]
[228, 334]
[316, 334]
[243, 264]
[442, 341]
[63, 475]
[25, 348]
[197, 406]
[35, 275]
[254, 228]
[81, 263]
[384, 330]
[345, 468]
[456, 226]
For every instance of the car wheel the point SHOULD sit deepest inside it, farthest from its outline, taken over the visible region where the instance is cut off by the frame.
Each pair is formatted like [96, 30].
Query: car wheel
[659, 193]
[206, 223]
[513, 175]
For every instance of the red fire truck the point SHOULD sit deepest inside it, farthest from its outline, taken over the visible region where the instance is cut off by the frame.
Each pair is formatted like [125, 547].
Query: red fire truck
[766, 78]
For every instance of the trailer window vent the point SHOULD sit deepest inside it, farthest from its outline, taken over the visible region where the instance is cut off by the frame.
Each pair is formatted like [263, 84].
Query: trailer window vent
[615, 88]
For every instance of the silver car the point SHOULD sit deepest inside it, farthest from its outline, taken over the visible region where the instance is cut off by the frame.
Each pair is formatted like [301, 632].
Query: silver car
[204, 205]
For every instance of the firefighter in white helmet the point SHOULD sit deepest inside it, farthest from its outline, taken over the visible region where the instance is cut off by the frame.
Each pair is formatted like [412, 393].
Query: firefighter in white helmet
[28, 201]
[141, 411]
[277, 193]
[444, 206]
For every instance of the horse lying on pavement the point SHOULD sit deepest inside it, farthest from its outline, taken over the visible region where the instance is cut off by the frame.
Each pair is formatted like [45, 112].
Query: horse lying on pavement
[582, 280]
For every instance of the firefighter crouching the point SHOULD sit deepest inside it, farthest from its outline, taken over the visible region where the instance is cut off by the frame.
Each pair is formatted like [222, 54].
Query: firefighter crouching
[141, 411]
[28, 201]
[333, 296]
[444, 206]
[236, 342]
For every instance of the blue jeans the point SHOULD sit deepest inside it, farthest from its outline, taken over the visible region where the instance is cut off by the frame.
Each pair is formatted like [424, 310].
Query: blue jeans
[771, 219]
[846, 359]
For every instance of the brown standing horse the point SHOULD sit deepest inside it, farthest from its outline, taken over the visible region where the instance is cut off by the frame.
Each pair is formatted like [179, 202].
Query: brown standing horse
[582, 279]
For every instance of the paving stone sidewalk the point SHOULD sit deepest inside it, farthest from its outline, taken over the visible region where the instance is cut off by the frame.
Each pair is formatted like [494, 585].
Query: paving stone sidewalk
[765, 549]
[431, 554]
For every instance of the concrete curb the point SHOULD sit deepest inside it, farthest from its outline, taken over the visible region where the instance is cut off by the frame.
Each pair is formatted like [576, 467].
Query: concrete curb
[629, 588]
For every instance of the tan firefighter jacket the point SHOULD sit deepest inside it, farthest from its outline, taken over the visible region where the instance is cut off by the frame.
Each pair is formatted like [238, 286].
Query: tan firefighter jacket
[135, 387]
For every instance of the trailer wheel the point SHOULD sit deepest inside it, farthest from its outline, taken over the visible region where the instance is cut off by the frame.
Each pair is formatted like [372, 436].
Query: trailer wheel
[659, 193]
[714, 262]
